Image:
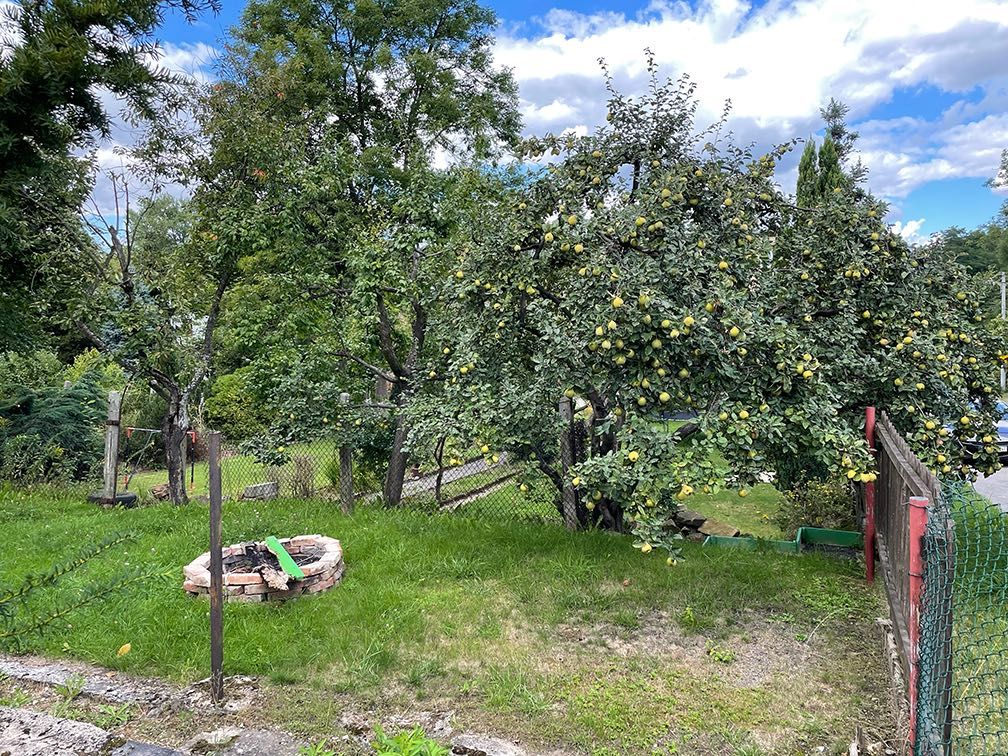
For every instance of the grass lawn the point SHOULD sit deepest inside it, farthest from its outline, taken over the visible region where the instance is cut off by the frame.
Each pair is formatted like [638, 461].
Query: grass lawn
[239, 470]
[525, 631]
[752, 514]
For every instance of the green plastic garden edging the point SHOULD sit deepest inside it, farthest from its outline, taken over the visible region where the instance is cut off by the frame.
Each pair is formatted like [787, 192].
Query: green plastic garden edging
[805, 537]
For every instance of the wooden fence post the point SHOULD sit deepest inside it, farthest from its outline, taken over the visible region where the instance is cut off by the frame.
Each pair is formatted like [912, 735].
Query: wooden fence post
[566, 461]
[346, 469]
[917, 525]
[111, 467]
[216, 575]
[869, 534]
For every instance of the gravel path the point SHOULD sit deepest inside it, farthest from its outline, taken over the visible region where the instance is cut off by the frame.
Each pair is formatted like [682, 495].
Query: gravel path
[429, 482]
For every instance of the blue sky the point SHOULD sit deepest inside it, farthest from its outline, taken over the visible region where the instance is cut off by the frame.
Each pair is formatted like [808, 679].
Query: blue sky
[927, 81]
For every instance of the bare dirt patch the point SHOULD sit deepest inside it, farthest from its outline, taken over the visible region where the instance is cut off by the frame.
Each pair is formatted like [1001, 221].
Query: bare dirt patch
[754, 652]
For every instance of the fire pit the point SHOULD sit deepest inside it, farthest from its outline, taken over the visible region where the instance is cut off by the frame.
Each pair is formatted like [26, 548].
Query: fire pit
[253, 573]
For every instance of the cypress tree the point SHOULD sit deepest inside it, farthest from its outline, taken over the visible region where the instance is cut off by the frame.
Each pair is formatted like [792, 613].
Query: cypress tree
[808, 179]
[830, 173]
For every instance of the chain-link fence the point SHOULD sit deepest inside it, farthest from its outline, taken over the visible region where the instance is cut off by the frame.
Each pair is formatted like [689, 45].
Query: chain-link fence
[963, 687]
[481, 485]
[943, 552]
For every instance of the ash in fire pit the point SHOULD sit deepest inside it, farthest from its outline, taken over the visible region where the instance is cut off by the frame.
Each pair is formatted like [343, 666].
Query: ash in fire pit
[253, 573]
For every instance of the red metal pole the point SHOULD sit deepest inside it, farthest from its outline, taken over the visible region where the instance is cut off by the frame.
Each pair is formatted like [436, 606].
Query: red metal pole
[869, 534]
[918, 524]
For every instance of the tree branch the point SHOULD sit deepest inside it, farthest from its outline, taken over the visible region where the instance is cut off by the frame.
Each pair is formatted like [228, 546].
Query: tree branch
[373, 369]
[385, 337]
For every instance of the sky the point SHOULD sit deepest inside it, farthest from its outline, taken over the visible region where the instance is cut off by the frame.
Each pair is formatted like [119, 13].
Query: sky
[926, 81]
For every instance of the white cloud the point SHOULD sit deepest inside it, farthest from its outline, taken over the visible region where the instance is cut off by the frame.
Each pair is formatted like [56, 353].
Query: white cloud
[779, 62]
[910, 231]
[906, 153]
[550, 113]
[192, 60]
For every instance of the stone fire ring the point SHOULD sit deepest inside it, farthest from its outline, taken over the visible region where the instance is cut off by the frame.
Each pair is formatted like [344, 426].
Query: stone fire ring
[323, 570]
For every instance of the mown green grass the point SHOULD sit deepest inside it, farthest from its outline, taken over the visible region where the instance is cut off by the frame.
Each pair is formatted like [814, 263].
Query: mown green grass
[240, 470]
[470, 612]
[752, 514]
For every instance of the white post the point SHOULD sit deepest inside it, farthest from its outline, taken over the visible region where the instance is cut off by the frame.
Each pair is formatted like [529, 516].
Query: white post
[111, 470]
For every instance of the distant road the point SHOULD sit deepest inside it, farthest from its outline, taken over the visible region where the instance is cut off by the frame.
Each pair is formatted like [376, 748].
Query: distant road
[995, 488]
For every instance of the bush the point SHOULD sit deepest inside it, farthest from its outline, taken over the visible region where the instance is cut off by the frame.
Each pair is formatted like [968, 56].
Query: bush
[798, 470]
[825, 503]
[407, 743]
[302, 477]
[20, 373]
[368, 474]
[233, 408]
[67, 425]
[331, 470]
[28, 460]
[112, 377]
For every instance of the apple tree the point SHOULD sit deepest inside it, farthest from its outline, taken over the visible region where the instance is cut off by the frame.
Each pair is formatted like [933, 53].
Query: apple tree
[647, 268]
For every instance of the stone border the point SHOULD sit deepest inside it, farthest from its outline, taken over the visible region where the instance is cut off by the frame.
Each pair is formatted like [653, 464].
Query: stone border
[320, 575]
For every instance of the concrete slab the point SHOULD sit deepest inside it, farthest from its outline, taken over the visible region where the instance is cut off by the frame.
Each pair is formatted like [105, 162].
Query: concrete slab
[32, 733]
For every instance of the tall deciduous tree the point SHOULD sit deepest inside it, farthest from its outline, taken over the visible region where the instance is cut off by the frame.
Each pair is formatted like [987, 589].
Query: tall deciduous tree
[361, 100]
[151, 301]
[982, 249]
[64, 56]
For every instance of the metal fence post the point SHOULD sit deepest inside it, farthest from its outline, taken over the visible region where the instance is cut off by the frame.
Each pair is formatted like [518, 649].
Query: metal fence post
[869, 534]
[346, 469]
[917, 526]
[216, 575]
[566, 461]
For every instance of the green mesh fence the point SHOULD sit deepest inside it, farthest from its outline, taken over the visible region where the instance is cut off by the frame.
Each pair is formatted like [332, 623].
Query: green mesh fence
[963, 685]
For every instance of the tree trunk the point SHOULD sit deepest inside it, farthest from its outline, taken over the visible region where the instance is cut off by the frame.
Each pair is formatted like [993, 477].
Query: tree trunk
[398, 461]
[174, 426]
[607, 514]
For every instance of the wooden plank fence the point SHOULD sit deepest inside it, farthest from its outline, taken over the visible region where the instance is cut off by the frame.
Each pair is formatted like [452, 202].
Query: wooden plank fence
[897, 511]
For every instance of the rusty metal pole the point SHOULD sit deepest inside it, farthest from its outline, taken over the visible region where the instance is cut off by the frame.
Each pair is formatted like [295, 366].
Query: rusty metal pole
[917, 526]
[346, 469]
[216, 575]
[869, 534]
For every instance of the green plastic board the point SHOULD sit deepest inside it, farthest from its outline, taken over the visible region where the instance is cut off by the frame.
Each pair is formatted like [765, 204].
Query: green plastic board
[827, 537]
[805, 536]
[285, 559]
